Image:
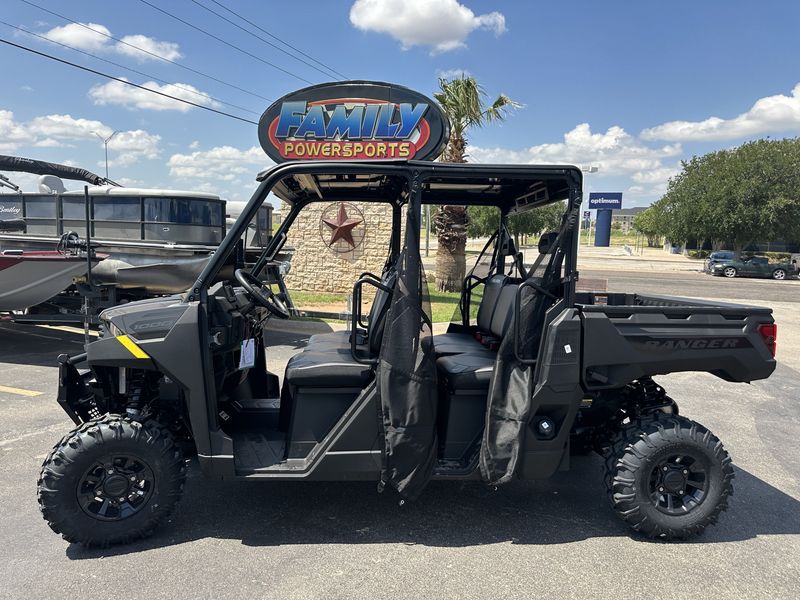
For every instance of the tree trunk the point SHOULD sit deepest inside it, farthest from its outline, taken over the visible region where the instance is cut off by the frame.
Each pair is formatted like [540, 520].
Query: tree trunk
[451, 264]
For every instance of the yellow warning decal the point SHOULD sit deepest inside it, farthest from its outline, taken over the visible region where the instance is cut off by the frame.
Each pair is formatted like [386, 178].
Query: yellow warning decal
[132, 347]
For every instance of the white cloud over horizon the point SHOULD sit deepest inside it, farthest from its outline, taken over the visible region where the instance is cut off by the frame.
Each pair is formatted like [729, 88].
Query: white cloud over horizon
[119, 94]
[443, 25]
[222, 163]
[615, 151]
[53, 131]
[771, 114]
[227, 171]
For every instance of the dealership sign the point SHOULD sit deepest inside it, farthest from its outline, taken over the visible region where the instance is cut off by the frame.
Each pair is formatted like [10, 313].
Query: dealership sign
[602, 200]
[353, 120]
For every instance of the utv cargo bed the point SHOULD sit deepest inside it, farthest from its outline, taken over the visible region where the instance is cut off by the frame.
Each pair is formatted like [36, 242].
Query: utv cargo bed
[630, 336]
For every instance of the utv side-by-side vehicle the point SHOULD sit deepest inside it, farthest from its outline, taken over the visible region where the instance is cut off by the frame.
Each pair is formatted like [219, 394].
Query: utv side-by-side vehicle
[531, 372]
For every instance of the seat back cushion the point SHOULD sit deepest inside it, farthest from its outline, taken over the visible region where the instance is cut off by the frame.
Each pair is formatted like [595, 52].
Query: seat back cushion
[491, 291]
[501, 319]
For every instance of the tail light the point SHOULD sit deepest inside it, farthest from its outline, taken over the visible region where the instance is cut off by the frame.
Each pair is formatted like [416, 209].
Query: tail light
[769, 333]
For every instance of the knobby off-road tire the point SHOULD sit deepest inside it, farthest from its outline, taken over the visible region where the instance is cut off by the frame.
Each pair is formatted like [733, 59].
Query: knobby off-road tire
[668, 477]
[111, 480]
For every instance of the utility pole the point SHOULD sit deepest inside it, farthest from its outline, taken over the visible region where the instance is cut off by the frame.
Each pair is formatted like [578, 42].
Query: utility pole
[105, 144]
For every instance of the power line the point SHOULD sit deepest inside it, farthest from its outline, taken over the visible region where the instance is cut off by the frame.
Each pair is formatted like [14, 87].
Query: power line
[258, 37]
[111, 62]
[275, 37]
[153, 54]
[126, 82]
[219, 39]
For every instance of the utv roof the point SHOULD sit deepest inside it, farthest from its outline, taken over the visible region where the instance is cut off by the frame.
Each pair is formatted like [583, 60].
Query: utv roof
[509, 186]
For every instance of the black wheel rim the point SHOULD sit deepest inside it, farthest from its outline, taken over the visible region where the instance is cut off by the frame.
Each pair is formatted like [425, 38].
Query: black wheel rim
[678, 484]
[116, 487]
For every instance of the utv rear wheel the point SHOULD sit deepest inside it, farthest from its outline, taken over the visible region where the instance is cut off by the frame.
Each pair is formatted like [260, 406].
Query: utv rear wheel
[729, 272]
[111, 480]
[668, 477]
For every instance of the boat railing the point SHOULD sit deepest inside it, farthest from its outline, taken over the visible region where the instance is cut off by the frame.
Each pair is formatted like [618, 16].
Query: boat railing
[155, 219]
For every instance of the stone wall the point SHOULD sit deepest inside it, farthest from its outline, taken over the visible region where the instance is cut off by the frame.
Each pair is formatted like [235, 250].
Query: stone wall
[318, 267]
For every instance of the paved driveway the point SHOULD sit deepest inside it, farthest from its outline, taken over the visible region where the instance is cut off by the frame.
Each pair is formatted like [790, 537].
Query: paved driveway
[554, 539]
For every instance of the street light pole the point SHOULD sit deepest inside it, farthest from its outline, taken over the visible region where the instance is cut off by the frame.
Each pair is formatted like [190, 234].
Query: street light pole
[105, 145]
[588, 169]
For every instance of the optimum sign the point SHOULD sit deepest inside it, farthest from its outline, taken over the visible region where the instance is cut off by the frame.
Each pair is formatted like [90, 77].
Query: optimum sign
[601, 200]
[357, 120]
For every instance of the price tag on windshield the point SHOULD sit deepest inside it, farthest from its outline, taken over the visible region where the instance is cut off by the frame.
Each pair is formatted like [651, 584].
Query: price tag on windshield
[248, 356]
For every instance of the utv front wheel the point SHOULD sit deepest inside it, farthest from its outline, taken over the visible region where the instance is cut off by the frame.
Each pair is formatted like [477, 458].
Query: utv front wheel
[111, 480]
[668, 477]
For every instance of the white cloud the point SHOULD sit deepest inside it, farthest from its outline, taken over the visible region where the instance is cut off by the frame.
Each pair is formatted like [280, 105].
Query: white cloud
[129, 182]
[441, 24]
[79, 36]
[50, 143]
[133, 146]
[97, 38]
[53, 131]
[452, 73]
[12, 134]
[656, 175]
[120, 94]
[616, 152]
[66, 127]
[168, 50]
[770, 114]
[222, 163]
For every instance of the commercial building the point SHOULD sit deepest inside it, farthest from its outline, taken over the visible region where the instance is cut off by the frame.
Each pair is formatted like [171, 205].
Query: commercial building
[625, 216]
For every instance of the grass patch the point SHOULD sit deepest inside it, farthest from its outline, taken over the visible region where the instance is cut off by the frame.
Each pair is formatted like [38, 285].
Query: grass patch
[443, 304]
[303, 299]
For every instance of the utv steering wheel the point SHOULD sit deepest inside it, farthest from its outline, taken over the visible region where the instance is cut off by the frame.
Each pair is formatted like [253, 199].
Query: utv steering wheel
[261, 294]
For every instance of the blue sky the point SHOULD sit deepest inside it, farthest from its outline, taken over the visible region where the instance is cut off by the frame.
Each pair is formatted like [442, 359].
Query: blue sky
[630, 87]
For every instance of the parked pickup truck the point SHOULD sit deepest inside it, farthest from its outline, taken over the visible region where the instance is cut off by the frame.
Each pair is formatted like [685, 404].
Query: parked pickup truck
[753, 266]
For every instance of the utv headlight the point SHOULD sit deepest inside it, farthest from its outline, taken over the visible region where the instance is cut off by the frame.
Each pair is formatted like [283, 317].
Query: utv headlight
[108, 327]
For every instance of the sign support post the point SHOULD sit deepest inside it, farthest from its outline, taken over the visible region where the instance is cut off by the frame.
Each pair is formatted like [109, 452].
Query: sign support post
[605, 203]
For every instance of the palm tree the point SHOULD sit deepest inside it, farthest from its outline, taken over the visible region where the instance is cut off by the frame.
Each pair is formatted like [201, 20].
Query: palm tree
[464, 101]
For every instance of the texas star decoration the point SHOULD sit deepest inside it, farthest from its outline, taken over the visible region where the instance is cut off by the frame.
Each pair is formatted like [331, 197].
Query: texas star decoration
[342, 227]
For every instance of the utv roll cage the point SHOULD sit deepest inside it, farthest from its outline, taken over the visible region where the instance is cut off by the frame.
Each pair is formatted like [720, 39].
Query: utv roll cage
[405, 185]
[510, 188]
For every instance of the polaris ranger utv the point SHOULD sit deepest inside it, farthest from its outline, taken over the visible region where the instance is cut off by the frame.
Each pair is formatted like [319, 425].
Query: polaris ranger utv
[531, 373]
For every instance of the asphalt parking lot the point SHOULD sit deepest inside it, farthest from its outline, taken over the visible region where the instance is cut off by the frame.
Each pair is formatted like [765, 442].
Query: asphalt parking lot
[551, 539]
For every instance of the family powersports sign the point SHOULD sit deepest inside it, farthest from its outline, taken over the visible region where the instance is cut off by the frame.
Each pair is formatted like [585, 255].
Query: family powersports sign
[353, 120]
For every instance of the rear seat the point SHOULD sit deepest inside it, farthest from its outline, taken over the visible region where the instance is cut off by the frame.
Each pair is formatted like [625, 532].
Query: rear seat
[458, 343]
[472, 369]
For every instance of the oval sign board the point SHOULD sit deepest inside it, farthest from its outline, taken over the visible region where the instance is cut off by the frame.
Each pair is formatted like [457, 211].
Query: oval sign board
[353, 120]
